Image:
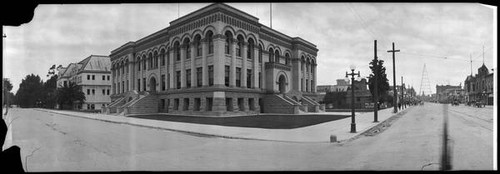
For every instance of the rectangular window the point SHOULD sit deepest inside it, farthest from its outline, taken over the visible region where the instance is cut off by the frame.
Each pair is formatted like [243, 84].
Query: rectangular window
[88, 77]
[93, 77]
[188, 78]
[249, 78]
[139, 84]
[139, 66]
[251, 104]
[144, 84]
[199, 77]
[144, 64]
[178, 79]
[88, 91]
[127, 86]
[211, 75]
[226, 75]
[176, 104]
[196, 105]
[103, 77]
[108, 77]
[162, 104]
[209, 104]
[260, 79]
[93, 91]
[229, 104]
[238, 77]
[163, 82]
[103, 92]
[65, 83]
[238, 50]
[188, 52]
[107, 91]
[241, 104]
[186, 104]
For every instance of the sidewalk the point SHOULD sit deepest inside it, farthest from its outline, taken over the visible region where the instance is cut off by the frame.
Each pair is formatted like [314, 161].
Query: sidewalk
[316, 133]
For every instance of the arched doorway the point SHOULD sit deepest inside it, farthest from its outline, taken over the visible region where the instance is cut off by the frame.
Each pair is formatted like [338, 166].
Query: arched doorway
[282, 84]
[152, 84]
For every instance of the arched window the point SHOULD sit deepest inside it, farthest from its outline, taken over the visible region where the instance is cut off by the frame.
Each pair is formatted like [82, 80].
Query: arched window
[277, 56]
[271, 55]
[287, 59]
[162, 57]
[156, 59]
[229, 41]
[197, 41]
[144, 62]
[187, 44]
[210, 40]
[250, 52]
[239, 47]
[260, 53]
[177, 51]
[138, 62]
[150, 60]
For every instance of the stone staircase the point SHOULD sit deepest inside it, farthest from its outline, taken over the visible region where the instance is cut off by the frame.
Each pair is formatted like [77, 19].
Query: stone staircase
[312, 106]
[279, 103]
[144, 104]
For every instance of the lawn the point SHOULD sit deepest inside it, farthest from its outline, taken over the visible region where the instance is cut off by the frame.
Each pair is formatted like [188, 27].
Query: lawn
[255, 121]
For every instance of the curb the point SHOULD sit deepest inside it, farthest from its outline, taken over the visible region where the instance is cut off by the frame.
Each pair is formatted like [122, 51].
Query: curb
[365, 131]
[169, 129]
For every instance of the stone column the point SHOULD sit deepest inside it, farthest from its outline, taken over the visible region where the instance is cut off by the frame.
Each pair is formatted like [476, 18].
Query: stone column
[232, 76]
[204, 66]
[171, 69]
[244, 65]
[218, 61]
[193, 69]
[183, 68]
[131, 72]
[256, 68]
[315, 75]
[303, 77]
[263, 69]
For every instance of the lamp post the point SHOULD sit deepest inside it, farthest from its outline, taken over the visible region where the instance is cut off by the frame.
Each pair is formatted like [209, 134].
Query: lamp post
[352, 74]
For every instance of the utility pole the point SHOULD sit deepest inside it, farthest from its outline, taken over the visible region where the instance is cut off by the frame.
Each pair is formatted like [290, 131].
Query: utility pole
[470, 57]
[271, 15]
[402, 93]
[394, 101]
[375, 106]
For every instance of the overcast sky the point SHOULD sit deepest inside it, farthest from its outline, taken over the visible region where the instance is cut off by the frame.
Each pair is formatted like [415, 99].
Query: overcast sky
[442, 36]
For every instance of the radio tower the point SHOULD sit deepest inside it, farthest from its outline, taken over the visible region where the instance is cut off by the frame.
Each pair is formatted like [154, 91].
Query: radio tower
[425, 87]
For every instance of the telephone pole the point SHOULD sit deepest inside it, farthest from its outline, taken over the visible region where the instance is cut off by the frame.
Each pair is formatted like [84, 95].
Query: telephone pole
[402, 93]
[394, 101]
[375, 106]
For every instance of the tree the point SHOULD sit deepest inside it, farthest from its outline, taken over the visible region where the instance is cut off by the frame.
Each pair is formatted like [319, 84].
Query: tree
[382, 83]
[30, 92]
[67, 95]
[337, 99]
[7, 96]
[49, 92]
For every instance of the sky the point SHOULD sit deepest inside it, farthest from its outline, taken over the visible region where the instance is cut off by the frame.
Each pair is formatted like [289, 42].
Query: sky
[441, 36]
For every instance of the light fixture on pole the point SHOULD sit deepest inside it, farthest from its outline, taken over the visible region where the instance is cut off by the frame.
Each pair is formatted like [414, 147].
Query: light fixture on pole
[352, 74]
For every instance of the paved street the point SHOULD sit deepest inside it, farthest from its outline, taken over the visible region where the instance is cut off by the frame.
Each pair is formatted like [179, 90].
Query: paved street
[53, 142]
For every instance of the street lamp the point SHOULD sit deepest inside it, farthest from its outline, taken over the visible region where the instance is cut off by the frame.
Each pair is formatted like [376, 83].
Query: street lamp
[352, 74]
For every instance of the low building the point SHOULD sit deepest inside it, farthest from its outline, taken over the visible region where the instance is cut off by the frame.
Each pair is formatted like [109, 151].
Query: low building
[480, 86]
[93, 76]
[362, 94]
[444, 91]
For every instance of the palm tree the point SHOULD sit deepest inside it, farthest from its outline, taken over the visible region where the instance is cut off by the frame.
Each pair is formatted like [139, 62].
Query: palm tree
[68, 95]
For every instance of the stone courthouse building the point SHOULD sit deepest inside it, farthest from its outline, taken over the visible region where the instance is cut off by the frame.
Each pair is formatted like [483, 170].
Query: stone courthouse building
[216, 61]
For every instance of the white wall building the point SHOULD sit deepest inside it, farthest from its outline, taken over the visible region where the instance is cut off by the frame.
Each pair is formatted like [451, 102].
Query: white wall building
[93, 76]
